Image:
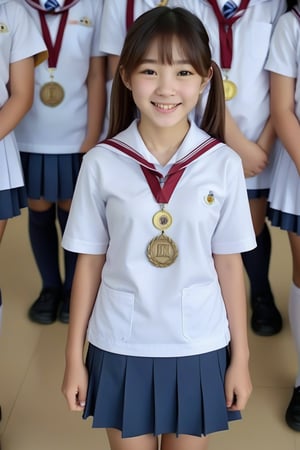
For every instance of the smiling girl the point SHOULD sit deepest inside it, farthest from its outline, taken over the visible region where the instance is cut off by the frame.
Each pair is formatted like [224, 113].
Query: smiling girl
[159, 218]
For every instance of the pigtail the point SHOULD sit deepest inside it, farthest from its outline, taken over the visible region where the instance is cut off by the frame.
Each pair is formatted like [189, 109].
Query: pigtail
[122, 107]
[213, 121]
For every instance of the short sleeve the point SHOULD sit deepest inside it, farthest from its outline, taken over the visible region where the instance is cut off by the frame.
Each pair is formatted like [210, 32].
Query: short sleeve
[234, 232]
[284, 46]
[27, 39]
[86, 229]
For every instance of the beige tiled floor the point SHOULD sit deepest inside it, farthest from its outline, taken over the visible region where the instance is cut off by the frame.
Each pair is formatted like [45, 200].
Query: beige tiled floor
[35, 416]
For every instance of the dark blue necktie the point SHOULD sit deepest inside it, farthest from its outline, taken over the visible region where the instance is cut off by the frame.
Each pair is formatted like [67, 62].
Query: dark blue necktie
[50, 5]
[229, 9]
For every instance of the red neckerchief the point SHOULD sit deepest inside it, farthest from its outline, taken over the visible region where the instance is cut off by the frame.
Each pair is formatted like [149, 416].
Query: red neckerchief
[225, 30]
[36, 5]
[162, 194]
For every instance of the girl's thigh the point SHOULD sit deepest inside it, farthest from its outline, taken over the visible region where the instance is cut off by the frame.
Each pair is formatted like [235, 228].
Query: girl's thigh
[145, 442]
[183, 442]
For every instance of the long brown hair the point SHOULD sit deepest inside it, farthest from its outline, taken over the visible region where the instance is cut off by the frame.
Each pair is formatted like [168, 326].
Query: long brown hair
[163, 24]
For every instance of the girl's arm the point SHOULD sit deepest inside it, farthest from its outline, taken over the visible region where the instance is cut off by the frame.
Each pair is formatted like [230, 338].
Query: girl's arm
[21, 91]
[96, 85]
[283, 115]
[231, 278]
[254, 155]
[85, 286]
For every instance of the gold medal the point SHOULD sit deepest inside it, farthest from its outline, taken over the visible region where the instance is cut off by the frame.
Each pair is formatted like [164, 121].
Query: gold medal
[162, 220]
[163, 3]
[230, 89]
[162, 251]
[52, 93]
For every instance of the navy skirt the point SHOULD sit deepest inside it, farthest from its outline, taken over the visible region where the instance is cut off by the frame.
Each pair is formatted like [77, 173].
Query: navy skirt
[257, 193]
[141, 395]
[52, 177]
[11, 202]
[285, 221]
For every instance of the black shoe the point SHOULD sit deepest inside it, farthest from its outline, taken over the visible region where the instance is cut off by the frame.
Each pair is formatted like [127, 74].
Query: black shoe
[64, 313]
[266, 319]
[44, 309]
[292, 415]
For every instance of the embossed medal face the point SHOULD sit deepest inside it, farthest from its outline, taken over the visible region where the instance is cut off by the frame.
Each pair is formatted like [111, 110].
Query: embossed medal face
[162, 251]
[162, 220]
[230, 89]
[52, 94]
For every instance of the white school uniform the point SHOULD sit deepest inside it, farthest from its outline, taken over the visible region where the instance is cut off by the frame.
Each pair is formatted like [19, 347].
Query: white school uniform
[284, 59]
[67, 121]
[19, 39]
[251, 38]
[143, 310]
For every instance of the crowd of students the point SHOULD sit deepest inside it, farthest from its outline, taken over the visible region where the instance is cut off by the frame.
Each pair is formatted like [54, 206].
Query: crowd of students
[196, 105]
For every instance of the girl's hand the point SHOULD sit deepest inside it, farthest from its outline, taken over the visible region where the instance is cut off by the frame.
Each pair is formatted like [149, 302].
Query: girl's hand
[74, 386]
[238, 386]
[255, 161]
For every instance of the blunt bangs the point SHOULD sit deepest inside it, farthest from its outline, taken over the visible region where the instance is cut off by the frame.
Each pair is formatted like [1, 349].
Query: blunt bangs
[166, 27]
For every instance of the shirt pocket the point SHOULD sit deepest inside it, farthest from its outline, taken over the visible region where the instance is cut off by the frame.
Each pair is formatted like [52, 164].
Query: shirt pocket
[202, 311]
[116, 312]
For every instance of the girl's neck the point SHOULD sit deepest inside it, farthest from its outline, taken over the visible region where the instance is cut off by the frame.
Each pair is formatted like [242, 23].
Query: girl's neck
[163, 143]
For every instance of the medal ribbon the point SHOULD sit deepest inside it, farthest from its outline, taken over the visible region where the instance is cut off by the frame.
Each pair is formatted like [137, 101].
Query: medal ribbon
[130, 12]
[296, 13]
[162, 194]
[54, 49]
[225, 31]
[36, 5]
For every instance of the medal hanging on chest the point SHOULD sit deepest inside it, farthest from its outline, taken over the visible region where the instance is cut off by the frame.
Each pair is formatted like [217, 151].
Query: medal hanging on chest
[162, 251]
[52, 93]
[226, 44]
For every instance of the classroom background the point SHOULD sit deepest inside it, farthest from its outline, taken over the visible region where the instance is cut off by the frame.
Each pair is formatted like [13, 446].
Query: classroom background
[34, 412]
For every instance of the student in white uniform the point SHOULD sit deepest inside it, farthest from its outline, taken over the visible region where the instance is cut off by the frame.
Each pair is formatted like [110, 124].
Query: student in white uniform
[284, 212]
[64, 123]
[250, 133]
[159, 217]
[21, 48]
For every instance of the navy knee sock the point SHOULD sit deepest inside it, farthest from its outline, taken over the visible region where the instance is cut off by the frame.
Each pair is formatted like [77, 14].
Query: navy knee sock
[44, 243]
[69, 257]
[257, 264]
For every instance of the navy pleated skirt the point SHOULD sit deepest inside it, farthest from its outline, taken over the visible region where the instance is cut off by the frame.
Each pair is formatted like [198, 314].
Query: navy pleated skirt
[257, 193]
[285, 221]
[11, 202]
[52, 177]
[141, 395]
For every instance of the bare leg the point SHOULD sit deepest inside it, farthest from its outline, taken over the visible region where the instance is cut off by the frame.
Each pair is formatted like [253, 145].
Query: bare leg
[2, 228]
[145, 442]
[183, 442]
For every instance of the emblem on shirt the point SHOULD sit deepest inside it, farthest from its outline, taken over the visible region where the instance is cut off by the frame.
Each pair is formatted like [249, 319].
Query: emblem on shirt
[84, 21]
[209, 198]
[3, 28]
